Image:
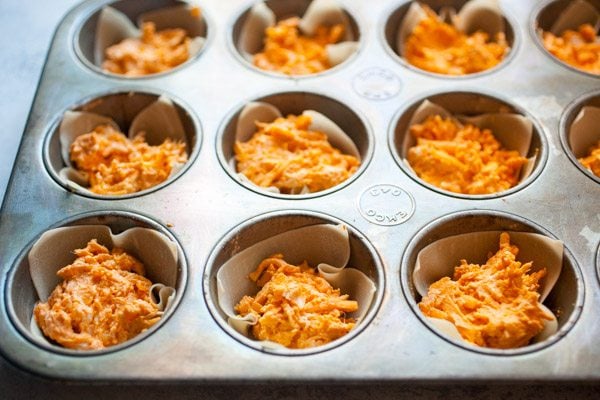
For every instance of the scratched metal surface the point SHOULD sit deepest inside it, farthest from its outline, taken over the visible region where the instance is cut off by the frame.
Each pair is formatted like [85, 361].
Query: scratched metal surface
[204, 206]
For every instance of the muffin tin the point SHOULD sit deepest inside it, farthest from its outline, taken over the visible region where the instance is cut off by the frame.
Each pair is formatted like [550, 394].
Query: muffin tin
[389, 214]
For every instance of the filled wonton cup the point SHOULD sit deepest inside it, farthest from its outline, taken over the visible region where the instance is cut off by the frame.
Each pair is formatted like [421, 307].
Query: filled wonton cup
[513, 131]
[159, 121]
[250, 40]
[474, 15]
[54, 250]
[114, 26]
[438, 260]
[325, 247]
[255, 112]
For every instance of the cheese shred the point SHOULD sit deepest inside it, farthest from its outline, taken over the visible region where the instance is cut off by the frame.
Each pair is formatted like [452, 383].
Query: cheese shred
[295, 307]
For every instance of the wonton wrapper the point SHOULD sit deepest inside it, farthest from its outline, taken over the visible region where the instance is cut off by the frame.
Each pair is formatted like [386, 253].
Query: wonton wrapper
[257, 111]
[159, 120]
[439, 259]
[54, 250]
[484, 15]
[319, 12]
[513, 131]
[577, 13]
[114, 26]
[324, 246]
[584, 131]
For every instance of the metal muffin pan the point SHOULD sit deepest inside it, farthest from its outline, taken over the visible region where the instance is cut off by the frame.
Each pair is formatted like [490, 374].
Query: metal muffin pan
[388, 212]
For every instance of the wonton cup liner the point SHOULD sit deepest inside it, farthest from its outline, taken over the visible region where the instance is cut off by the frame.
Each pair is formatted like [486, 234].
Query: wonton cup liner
[584, 131]
[324, 246]
[114, 26]
[264, 112]
[159, 121]
[513, 131]
[484, 15]
[54, 250]
[318, 13]
[577, 13]
[439, 259]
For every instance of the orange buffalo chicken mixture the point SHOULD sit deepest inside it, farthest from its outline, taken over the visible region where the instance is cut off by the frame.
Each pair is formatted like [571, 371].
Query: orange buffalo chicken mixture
[580, 49]
[592, 160]
[492, 305]
[287, 155]
[104, 300]
[439, 47]
[462, 159]
[289, 52]
[152, 53]
[295, 307]
[117, 165]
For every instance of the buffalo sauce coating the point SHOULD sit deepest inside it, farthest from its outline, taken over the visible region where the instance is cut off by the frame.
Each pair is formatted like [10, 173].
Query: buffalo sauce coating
[289, 52]
[295, 307]
[492, 305]
[151, 53]
[580, 48]
[462, 159]
[438, 47]
[116, 165]
[288, 155]
[592, 160]
[104, 300]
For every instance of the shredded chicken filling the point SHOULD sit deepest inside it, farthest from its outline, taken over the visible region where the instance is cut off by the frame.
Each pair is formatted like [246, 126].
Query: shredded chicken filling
[436, 46]
[152, 53]
[592, 160]
[462, 159]
[114, 164]
[104, 300]
[287, 155]
[289, 52]
[492, 305]
[580, 49]
[295, 307]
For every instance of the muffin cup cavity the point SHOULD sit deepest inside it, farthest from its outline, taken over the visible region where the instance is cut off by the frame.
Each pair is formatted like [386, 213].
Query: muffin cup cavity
[579, 130]
[123, 19]
[159, 117]
[248, 31]
[438, 248]
[33, 276]
[561, 15]
[466, 15]
[512, 127]
[342, 256]
[345, 131]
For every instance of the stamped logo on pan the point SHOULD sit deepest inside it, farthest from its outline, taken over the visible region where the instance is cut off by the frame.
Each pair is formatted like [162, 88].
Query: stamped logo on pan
[377, 84]
[386, 204]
